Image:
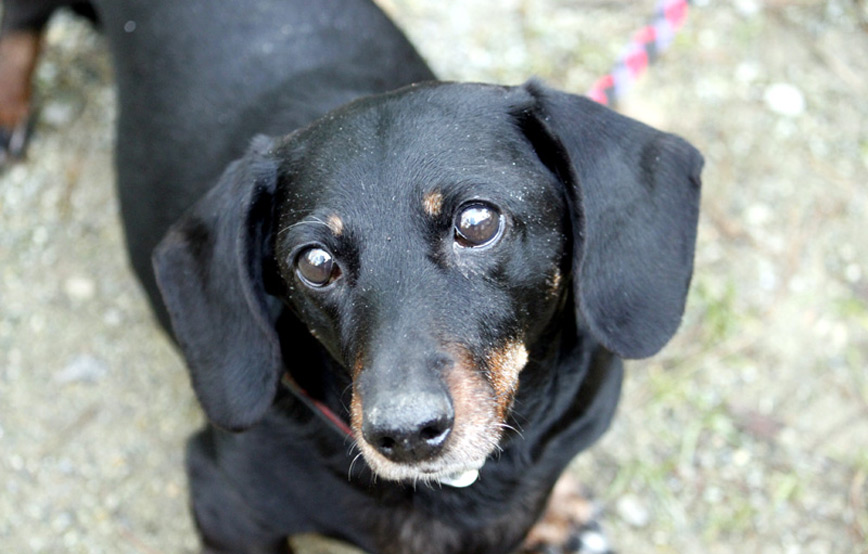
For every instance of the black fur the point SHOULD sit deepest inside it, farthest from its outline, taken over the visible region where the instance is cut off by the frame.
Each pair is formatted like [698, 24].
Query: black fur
[592, 263]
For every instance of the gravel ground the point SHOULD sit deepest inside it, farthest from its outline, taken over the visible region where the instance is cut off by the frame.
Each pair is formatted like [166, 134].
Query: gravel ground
[749, 433]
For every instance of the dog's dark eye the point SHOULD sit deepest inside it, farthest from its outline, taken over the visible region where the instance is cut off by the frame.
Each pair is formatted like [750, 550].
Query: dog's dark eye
[477, 224]
[317, 267]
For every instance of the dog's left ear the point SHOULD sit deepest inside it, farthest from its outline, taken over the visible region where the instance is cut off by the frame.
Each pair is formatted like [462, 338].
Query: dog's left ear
[210, 268]
[633, 193]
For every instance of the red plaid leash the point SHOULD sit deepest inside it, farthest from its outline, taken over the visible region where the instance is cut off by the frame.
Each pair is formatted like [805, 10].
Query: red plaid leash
[646, 46]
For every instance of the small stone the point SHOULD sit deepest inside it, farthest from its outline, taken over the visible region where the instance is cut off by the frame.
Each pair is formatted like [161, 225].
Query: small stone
[113, 317]
[747, 72]
[594, 542]
[57, 114]
[713, 495]
[741, 457]
[785, 99]
[82, 369]
[758, 215]
[748, 8]
[633, 511]
[79, 288]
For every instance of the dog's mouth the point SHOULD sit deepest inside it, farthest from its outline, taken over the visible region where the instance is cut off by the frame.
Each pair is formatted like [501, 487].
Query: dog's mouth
[431, 473]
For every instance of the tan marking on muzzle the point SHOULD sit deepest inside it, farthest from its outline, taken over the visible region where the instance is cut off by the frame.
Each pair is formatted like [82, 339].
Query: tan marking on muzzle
[472, 400]
[356, 415]
[504, 366]
[358, 366]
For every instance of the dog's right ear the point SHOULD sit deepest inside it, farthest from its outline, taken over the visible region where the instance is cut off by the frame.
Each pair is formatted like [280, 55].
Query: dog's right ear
[633, 196]
[210, 267]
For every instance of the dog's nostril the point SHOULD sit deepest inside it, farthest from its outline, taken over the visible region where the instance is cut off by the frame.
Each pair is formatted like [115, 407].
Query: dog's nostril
[434, 434]
[386, 444]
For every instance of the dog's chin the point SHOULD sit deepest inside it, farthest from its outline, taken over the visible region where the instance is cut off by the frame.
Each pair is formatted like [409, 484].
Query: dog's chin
[430, 473]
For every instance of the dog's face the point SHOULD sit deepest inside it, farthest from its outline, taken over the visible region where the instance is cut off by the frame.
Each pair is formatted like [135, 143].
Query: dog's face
[428, 259]
[433, 240]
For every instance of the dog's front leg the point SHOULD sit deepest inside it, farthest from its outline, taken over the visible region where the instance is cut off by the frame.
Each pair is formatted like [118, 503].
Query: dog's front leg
[19, 50]
[20, 43]
[225, 521]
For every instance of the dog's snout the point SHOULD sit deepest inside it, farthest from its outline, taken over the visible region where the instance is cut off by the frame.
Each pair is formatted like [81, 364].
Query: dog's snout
[409, 429]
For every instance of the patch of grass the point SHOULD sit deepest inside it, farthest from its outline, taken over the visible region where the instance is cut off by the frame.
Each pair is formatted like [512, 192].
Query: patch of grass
[651, 480]
[715, 301]
[854, 308]
[666, 387]
[785, 487]
[854, 312]
[732, 516]
[858, 494]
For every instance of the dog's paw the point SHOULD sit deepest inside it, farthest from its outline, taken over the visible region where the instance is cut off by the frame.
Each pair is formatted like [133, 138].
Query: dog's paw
[569, 524]
[19, 51]
[13, 142]
[587, 539]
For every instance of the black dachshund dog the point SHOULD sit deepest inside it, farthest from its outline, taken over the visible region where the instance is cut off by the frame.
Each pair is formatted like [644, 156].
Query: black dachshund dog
[404, 304]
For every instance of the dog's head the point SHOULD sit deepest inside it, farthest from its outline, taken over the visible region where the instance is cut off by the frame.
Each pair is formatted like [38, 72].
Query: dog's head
[432, 240]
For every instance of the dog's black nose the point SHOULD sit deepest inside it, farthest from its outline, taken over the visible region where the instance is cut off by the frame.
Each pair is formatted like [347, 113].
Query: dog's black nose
[409, 429]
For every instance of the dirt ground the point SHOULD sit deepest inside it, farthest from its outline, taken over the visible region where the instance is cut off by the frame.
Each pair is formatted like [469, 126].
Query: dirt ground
[749, 433]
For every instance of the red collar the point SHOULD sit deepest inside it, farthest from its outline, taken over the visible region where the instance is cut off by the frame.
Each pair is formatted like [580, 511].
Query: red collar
[317, 407]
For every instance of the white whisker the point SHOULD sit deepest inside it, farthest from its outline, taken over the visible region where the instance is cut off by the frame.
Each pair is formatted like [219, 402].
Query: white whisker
[509, 427]
[352, 464]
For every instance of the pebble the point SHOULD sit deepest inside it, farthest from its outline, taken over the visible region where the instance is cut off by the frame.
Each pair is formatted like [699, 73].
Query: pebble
[712, 495]
[632, 511]
[785, 99]
[747, 72]
[594, 542]
[79, 288]
[748, 8]
[741, 457]
[758, 215]
[82, 369]
[57, 114]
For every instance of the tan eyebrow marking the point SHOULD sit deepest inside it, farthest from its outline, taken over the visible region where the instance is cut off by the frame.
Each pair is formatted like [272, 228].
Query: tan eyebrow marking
[432, 203]
[336, 224]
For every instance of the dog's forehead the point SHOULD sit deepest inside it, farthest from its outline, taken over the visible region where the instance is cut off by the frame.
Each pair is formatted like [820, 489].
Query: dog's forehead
[408, 144]
[436, 109]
